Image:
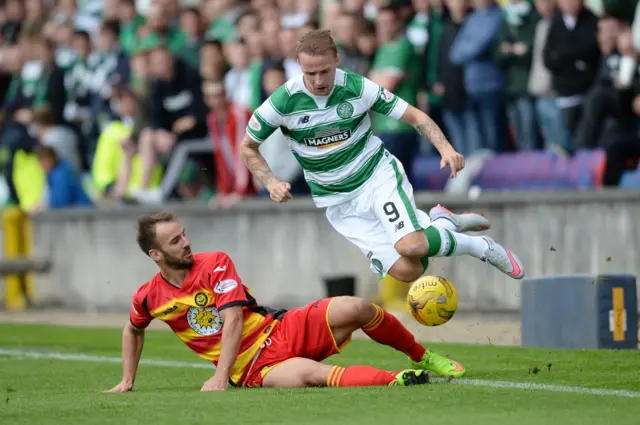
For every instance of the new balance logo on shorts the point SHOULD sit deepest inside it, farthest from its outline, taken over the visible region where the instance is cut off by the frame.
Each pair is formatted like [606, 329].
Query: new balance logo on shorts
[399, 225]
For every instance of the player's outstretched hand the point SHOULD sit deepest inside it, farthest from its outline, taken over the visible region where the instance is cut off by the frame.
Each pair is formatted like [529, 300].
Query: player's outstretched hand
[452, 159]
[279, 191]
[215, 384]
[122, 387]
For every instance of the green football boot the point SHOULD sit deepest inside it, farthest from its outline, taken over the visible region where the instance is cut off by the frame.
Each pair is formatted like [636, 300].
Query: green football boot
[410, 377]
[440, 365]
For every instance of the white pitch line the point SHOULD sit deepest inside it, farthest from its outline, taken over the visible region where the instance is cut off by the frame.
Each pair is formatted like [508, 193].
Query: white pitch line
[98, 359]
[463, 381]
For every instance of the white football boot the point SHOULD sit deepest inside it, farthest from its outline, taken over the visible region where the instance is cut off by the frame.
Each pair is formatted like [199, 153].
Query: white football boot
[466, 222]
[502, 259]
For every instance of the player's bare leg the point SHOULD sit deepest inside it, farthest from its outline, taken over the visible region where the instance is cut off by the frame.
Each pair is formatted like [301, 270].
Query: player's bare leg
[416, 247]
[298, 372]
[347, 314]
[344, 316]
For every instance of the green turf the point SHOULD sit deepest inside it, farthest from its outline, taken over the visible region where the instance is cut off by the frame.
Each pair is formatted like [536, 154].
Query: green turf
[45, 391]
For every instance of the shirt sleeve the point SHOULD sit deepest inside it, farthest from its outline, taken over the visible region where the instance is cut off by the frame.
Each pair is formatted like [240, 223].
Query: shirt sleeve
[383, 101]
[139, 314]
[226, 283]
[267, 118]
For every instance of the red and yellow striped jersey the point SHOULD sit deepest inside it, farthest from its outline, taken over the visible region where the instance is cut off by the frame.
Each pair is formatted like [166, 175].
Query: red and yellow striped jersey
[193, 310]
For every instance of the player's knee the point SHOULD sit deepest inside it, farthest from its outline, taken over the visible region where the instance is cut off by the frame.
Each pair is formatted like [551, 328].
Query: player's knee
[407, 271]
[351, 312]
[362, 310]
[413, 246]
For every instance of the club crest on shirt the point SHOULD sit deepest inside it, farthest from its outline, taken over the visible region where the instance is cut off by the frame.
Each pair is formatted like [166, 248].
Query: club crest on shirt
[204, 321]
[345, 110]
[201, 299]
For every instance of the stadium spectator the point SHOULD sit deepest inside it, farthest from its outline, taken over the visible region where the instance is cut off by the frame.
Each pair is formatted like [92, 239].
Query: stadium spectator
[623, 145]
[483, 79]
[64, 188]
[514, 54]
[35, 15]
[78, 88]
[227, 122]
[288, 39]
[117, 167]
[158, 27]
[551, 123]
[193, 29]
[366, 42]
[39, 82]
[394, 68]
[270, 30]
[176, 115]
[459, 117]
[14, 15]
[130, 23]
[108, 65]
[213, 64]
[61, 138]
[237, 80]
[432, 90]
[601, 101]
[572, 55]
[248, 24]
[348, 27]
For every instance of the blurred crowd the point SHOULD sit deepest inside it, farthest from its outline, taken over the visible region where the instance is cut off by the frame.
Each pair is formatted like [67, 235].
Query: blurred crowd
[131, 101]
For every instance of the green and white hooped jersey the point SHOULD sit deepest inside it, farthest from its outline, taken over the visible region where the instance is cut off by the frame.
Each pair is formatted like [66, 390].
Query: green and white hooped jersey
[330, 136]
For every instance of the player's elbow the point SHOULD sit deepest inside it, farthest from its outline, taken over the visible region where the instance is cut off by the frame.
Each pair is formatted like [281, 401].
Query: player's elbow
[248, 147]
[130, 329]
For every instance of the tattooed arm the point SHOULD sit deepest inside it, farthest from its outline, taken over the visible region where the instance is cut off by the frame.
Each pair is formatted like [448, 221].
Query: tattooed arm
[430, 130]
[427, 128]
[255, 162]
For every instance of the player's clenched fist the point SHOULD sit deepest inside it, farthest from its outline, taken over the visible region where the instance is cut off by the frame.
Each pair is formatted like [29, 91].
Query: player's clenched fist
[279, 191]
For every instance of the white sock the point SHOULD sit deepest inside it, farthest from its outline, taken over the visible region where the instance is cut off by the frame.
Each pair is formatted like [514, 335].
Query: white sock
[453, 243]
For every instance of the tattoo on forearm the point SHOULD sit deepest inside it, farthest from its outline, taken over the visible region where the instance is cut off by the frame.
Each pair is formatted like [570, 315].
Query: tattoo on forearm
[258, 166]
[432, 132]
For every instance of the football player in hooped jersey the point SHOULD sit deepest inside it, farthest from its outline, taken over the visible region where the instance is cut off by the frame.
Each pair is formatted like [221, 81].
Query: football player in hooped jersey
[203, 300]
[324, 114]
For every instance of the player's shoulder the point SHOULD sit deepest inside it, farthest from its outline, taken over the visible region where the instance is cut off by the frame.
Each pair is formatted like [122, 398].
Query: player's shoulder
[146, 288]
[212, 258]
[353, 84]
[280, 100]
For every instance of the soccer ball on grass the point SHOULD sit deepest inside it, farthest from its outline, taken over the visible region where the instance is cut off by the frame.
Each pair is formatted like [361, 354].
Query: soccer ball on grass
[432, 300]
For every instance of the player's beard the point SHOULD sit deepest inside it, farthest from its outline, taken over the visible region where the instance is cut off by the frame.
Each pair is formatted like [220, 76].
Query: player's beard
[177, 263]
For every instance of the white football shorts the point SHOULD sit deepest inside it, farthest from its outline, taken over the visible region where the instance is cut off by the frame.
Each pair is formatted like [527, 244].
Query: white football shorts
[380, 215]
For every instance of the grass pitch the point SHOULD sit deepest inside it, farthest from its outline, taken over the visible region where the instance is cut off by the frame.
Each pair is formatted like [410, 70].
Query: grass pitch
[45, 390]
